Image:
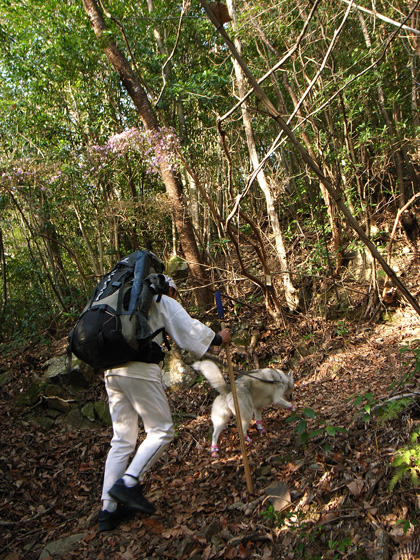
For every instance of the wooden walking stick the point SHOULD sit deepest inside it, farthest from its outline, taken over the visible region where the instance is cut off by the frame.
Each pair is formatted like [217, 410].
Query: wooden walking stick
[221, 313]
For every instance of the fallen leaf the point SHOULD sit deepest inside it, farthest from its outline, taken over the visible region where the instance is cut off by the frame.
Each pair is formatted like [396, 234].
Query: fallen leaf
[356, 487]
[330, 516]
[154, 525]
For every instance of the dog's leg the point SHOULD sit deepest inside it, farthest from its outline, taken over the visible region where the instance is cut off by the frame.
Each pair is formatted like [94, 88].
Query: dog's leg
[220, 416]
[258, 422]
[283, 403]
[246, 417]
[217, 430]
[245, 409]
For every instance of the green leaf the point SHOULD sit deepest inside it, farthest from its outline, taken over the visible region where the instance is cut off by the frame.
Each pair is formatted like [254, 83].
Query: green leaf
[359, 399]
[394, 480]
[301, 427]
[331, 430]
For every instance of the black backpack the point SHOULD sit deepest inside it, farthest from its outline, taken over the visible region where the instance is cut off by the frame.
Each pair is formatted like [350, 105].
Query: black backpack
[113, 327]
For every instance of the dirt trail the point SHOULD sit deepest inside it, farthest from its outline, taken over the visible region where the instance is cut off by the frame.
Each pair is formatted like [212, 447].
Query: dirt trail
[341, 502]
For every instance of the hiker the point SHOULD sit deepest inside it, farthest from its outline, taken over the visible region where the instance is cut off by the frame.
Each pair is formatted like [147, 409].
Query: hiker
[135, 390]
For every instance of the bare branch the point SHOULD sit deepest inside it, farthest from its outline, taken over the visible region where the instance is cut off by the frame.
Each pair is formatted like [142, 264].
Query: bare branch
[383, 18]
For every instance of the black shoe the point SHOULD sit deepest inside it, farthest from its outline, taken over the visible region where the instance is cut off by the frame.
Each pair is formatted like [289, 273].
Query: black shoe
[109, 520]
[131, 497]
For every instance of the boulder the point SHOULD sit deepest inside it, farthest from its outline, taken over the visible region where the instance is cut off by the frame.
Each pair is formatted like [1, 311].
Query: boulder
[57, 371]
[177, 268]
[61, 547]
[176, 374]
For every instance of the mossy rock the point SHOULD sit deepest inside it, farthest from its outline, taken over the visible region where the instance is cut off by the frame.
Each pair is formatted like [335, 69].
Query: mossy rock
[241, 338]
[102, 412]
[177, 268]
[75, 419]
[88, 410]
[43, 421]
[97, 411]
[32, 395]
[80, 374]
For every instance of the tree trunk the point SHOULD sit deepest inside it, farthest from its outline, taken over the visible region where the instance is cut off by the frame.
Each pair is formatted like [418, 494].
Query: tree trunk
[312, 164]
[3, 275]
[150, 121]
[289, 290]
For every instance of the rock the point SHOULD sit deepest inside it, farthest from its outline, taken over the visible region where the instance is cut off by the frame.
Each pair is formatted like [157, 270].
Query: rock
[382, 546]
[62, 546]
[263, 471]
[210, 530]
[43, 421]
[242, 337]
[279, 495]
[102, 412]
[58, 399]
[81, 375]
[31, 396]
[97, 412]
[88, 410]
[176, 374]
[177, 268]
[76, 419]
[6, 378]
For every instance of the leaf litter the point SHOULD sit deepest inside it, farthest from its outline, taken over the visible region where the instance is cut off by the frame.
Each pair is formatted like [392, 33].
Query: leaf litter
[50, 479]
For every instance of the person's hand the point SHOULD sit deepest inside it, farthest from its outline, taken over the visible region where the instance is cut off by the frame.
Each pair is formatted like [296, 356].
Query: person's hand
[225, 334]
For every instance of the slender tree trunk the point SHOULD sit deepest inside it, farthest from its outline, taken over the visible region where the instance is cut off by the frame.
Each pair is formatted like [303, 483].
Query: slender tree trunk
[3, 275]
[179, 110]
[150, 121]
[401, 156]
[290, 292]
[312, 164]
[331, 210]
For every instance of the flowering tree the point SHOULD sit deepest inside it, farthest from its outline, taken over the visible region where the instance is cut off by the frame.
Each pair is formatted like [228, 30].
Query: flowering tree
[151, 124]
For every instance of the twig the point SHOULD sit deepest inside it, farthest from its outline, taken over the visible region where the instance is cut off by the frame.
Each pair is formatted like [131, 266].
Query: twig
[383, 18]
[397, 397]
[181, 17]
[394, 230]
[37, 516]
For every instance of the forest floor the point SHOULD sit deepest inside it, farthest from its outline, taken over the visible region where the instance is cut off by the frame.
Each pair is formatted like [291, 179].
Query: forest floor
[335, 458]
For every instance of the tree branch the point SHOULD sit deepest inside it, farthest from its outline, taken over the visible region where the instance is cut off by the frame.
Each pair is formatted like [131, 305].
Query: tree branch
[383, 18]
[312, 164]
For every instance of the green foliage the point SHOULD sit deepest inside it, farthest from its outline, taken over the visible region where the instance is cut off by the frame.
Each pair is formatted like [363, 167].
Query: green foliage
[393, 409]
[383, 411]
[59, 98]
[342, 330]
[367, 399]
[306, 531]
[406, 461]
[413, 347]
[307, 430]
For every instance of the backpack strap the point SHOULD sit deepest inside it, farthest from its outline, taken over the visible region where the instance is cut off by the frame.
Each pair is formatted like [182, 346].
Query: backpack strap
[166, 340]
[139, 273]
[164, 336]
[120, 293]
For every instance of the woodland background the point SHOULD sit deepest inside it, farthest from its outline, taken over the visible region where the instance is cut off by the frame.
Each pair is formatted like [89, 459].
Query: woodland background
[272, 146]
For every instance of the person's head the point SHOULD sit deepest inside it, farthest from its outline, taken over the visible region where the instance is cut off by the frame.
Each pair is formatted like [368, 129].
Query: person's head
[172, 287]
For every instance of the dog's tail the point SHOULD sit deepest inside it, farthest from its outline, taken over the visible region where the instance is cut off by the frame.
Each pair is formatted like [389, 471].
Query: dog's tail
[213, 375]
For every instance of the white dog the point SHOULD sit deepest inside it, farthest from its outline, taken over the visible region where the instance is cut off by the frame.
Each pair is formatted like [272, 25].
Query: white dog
[255, 390]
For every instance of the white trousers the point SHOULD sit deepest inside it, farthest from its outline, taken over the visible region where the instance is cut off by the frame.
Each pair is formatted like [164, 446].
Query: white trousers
[130, 398]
